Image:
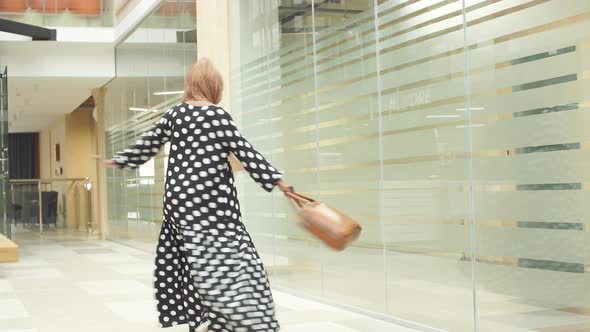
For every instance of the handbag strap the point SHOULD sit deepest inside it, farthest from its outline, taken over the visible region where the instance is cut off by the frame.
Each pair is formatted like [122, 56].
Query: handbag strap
[305, 198]
[298, 199]
[292, 202]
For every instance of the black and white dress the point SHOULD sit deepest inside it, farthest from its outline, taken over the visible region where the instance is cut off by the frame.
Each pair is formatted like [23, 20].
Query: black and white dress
[207, 268]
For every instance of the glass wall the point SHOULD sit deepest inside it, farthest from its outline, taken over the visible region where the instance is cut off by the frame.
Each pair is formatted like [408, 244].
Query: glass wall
[5, 199]
[151, 64]
[453, 130]
[528, 71]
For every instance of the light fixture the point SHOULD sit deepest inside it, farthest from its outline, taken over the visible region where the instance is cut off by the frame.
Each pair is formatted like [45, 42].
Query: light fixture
[137, 109]
[165, 93]
[472, 126]
[443, 116]
[471, 109]
[88, 184]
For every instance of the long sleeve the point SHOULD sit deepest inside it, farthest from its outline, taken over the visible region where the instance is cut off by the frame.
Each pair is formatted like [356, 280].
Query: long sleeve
[222, 127]
[147, 146]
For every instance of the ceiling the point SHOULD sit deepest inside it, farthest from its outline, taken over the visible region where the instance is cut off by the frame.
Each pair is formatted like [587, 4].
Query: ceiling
[47, 80]
[36, 103]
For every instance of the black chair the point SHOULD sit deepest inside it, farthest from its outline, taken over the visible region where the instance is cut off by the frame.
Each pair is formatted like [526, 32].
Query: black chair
[27, 207]
[30, 207]
[49, 207]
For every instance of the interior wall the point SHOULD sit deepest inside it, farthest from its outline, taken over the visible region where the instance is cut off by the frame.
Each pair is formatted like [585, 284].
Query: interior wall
[80, 148]
[80, 143]
[57, 135]
[45, 153]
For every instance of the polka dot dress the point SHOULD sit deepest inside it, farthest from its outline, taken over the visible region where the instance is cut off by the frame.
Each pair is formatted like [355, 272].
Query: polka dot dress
[207, 268]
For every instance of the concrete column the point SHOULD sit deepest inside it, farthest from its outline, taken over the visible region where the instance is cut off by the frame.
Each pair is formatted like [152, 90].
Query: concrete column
[99, 190]
[213, 39]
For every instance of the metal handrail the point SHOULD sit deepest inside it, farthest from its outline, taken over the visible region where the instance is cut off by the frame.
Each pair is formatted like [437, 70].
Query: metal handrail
[18, 181]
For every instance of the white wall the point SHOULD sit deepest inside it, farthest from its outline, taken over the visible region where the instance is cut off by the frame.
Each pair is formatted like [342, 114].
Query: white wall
[45, 153]
[57, 59]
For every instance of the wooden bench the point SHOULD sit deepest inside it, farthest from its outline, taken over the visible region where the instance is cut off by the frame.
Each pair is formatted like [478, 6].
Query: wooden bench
[8, 250]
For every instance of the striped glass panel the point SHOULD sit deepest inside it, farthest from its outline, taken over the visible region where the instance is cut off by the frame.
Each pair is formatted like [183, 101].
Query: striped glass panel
[150, 68]
[371, 114]
[527, 74]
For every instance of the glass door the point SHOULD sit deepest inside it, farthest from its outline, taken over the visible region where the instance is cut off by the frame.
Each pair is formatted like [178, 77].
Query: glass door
[5, 199]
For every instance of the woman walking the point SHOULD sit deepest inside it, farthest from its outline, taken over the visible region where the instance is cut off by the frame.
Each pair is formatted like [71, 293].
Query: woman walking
[207, 268]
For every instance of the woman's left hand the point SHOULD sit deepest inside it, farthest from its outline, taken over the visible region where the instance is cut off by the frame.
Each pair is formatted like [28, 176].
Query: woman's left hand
[284, 187]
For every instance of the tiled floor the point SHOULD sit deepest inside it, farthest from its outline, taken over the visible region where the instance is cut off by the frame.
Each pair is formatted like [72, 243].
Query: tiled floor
[73, 282]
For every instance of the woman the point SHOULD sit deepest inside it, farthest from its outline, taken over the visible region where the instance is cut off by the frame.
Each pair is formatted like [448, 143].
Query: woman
[207, 268]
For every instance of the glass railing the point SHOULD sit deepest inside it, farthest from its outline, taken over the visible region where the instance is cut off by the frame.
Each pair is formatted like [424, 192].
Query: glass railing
[49, 204]
[62, 13]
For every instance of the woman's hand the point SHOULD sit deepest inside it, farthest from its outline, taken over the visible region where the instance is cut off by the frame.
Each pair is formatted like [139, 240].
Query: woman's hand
[285, 188]
[110, 163]
[107, 163]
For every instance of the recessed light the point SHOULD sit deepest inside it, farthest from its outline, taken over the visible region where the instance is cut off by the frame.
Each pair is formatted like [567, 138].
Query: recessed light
[164, 93]
[472, 126]
[443, 116]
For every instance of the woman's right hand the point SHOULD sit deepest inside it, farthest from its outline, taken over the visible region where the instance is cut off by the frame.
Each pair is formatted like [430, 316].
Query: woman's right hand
[110, 163]
[107, 163]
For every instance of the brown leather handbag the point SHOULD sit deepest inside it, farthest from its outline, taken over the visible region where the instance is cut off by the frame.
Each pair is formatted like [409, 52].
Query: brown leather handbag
[333, 227]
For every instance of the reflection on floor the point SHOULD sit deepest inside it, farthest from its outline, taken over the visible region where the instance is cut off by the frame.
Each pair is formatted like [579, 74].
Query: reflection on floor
[69, 282]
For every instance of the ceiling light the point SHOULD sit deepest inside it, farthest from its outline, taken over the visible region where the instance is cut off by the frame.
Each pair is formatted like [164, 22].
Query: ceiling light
[443, 116]
[472, 126]
[471, 109]
[164, 93]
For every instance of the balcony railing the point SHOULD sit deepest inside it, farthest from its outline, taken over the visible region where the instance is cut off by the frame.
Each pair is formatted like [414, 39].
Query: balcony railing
[91, 13]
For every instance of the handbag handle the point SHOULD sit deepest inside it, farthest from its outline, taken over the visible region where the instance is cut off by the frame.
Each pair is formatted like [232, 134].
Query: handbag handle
[300, 200]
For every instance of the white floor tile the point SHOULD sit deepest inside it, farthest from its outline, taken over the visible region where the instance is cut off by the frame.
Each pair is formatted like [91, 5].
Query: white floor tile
[12, 309]
[274, 260]
[33, 273]
[318, 327]
[113, 292]
[108, 287]
[133, 269]
[113, 258]
[6, 287]
[25, 262]
[134, 311]
[297, 303]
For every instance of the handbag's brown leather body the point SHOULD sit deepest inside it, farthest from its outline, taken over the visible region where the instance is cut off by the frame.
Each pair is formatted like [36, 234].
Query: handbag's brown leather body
[334, 228]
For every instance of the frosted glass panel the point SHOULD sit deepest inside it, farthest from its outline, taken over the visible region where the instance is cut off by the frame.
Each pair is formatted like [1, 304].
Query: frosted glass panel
[151, 64]
[347, 88]
[425, 218]
[272, 77]
[528, 65]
